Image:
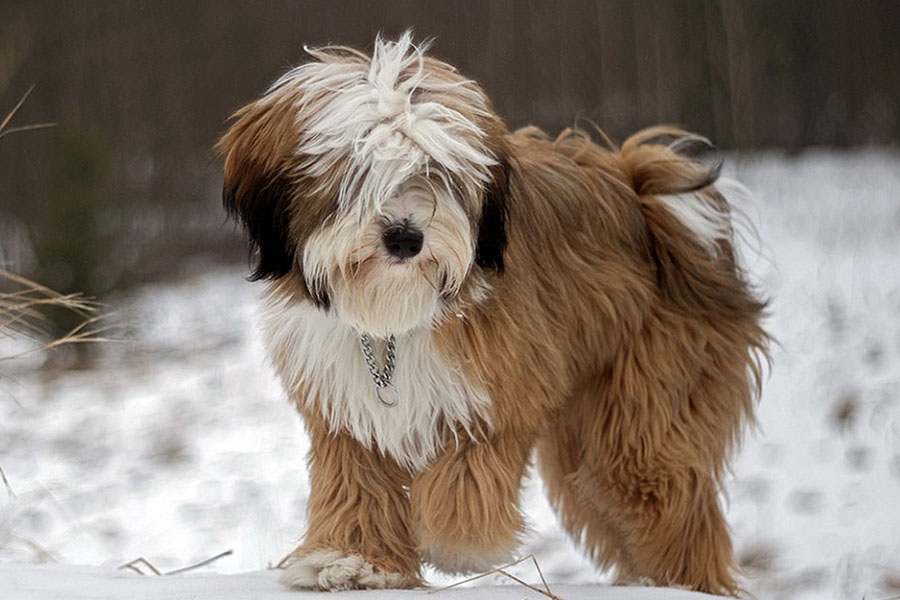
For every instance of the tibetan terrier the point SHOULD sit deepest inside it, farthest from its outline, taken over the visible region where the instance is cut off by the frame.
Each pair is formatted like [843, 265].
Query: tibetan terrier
[446, 296]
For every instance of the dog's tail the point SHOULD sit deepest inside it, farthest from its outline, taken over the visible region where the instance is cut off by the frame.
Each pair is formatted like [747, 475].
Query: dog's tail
[690, 224]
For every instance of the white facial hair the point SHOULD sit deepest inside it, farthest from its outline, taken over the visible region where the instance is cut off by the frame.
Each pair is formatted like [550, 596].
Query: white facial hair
[376, 293]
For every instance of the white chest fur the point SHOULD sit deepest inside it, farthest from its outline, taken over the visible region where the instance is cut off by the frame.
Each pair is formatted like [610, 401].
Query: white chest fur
[314, 351]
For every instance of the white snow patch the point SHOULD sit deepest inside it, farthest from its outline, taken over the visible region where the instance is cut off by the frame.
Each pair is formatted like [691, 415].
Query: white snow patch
[58, 582]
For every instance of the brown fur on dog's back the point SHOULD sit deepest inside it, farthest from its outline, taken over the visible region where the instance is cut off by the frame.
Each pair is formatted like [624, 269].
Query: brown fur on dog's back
[627, 347]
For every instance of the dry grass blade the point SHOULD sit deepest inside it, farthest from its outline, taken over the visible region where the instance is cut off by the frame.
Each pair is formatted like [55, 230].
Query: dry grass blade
[132, 565]
[477, 577]
[22, 128]
[202, 563]
[23, 307]
[41, 554]
[29, 288]
[5, 132]
[502, 570]
[540, 573]
[547, 592]
[15, 109]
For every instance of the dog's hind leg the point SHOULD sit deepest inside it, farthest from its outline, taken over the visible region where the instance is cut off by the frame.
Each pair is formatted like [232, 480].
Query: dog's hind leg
[560, 456]
[634, 460]
[465, 504]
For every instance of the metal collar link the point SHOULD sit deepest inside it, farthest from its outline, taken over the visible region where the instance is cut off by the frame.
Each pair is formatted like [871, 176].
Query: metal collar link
[381, 378]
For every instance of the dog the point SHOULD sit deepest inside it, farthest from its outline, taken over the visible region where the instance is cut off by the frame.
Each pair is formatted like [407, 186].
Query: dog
[445, 297]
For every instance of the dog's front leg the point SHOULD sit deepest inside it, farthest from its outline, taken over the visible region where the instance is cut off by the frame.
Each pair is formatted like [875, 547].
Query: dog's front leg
[358, 533]
[465, 504]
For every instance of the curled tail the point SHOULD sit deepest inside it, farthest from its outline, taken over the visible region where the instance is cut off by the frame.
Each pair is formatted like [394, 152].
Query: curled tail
[689, 220]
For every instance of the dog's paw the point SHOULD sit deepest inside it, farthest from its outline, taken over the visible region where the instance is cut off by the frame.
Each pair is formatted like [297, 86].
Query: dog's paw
[333, 571]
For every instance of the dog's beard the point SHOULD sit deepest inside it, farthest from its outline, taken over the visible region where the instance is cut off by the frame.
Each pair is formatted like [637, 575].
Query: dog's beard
[381, 295]
[387, 299]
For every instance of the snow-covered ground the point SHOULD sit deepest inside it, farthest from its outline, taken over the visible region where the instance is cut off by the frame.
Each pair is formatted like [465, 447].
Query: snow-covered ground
[178, 444]
[62, 582]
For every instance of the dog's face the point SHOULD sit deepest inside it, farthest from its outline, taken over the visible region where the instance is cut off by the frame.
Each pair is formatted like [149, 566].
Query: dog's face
[379, 182]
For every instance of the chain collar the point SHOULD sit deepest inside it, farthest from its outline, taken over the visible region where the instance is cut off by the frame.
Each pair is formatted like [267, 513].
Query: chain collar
[381, 378]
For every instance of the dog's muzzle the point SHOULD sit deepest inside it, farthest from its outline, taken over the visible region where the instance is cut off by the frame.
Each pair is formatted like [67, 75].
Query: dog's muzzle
[403, 241]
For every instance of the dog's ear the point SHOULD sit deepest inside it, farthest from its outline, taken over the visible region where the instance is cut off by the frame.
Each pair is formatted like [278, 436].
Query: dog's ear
[257, 190]
[493, 222]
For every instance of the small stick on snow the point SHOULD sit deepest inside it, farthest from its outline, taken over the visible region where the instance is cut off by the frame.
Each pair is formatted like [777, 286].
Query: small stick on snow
[548, 593]
[132, 564]
[502, 571]
[202, 563]
[540, 573]
[477, 577]
[42, 554]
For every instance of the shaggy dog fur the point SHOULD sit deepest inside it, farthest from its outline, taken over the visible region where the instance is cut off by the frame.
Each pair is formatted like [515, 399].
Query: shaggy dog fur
[576, 299]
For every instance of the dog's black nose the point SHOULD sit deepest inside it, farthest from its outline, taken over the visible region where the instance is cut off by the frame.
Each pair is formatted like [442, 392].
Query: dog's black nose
[403, 241]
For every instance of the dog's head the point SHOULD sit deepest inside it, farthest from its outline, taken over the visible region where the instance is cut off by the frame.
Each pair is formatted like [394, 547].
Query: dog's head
[378, 182]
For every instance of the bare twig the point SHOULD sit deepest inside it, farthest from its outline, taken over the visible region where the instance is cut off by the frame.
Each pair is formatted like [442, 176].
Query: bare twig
[15, 109]
[42, 554]
[4, 131]
[540, 573]
[547, 593]
[202, 563]
[502, 570]
[133, 565]
[477, 577]
[22, 128]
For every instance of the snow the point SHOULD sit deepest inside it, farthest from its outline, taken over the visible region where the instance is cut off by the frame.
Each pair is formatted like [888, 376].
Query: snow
[62, 582]
[178, 444]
